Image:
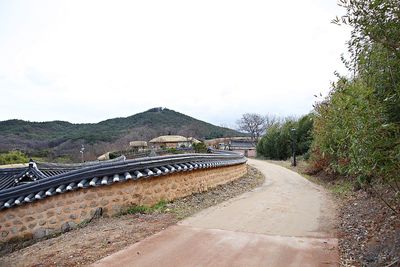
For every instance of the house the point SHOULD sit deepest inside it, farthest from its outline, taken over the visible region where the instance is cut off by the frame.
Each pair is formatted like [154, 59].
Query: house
[193, 140]
[105, 156]
[244, 146]
[138, 146]
[172, 141]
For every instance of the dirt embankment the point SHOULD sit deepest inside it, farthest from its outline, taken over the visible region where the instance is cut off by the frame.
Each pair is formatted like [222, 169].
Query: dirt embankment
[105, 236]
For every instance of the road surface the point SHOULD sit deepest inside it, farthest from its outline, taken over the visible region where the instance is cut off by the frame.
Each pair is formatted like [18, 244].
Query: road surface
[288, 221]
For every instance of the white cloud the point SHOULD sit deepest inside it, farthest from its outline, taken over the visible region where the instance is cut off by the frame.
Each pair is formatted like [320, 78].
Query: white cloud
[85, 61]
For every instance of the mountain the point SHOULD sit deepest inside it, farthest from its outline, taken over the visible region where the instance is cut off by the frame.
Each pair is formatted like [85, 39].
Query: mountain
[59, 138]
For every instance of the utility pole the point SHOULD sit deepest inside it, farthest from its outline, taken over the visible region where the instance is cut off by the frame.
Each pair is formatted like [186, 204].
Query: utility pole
[293, 130]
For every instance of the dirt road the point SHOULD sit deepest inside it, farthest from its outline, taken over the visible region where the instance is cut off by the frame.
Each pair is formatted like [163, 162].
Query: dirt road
[288, 221]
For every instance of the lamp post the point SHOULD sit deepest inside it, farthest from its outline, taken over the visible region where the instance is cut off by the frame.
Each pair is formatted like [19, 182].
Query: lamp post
[82, 151]
[293, 130]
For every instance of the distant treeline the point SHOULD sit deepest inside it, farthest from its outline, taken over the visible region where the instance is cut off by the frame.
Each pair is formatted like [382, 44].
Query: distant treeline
[55, 139]
[277, 141]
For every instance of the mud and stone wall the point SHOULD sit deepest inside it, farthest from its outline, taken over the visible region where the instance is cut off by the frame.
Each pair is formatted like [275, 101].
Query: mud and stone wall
[64, 211]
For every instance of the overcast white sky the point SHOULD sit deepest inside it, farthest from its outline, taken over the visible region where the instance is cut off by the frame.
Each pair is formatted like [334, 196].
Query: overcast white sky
[86, 61]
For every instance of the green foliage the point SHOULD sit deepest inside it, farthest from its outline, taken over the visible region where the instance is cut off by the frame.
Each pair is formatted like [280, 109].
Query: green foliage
[374, 48]
[357, 127]
[33, 136]
[137, 209]
[173, 150]
[352, 133]
[277, 142]
[342, 188]
[200, 147]
[304, 134]
[115, 154]
[159, 207]
[13, 157]
[61, 159]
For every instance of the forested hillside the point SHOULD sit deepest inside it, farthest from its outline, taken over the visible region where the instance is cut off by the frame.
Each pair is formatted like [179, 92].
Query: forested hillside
[59, 138]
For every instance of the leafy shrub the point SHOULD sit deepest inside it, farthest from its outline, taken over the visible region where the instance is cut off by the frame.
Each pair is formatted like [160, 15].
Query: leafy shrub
[115, 154]
[277, 142]
[352, 134]
[357, 127]
[200, 147]
[13, 157]
[172, 150]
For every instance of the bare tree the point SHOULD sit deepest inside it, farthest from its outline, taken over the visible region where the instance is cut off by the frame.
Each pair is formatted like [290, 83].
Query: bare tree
[271, 120]
[254, 124]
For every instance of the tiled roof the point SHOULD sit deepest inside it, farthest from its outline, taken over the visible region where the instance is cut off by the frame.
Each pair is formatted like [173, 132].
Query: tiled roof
[241, 144]
[41, 180]
[138, 143]
[11, 177]
[169, 139]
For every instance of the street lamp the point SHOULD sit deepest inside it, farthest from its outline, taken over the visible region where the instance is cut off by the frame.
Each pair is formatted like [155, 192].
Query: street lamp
[293, 130]
[82, 151]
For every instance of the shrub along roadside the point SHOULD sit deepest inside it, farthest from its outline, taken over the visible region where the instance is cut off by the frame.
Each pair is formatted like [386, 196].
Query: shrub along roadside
[352, 137]
[357, 126]
[277, 142]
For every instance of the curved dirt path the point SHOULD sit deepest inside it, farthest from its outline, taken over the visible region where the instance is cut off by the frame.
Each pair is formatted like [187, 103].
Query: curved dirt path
[288, 221]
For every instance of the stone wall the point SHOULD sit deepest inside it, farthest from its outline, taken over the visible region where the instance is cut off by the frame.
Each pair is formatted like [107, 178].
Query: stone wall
[63, 211]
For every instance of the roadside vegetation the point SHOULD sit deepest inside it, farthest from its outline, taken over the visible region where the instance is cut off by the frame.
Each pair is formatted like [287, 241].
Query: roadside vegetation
[354, 132]
[276, 144]
[357, 134]
[350, 142]
[357, 126]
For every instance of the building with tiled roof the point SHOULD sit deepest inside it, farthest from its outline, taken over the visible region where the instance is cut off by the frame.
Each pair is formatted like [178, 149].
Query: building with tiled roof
[138, 146]
[172, 141]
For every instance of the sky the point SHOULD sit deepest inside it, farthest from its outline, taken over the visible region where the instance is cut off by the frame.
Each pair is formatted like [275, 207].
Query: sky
[87, 61]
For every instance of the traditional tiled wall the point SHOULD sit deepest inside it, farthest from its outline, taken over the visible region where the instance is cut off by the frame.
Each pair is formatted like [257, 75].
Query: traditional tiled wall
[60, 212]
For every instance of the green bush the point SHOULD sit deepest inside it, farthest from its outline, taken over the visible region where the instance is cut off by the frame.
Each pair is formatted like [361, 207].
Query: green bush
[352, 135]
[173, 150]
[115, 154]
[159, 207]
[277, 142]
[13, 157]
[357, 127]
[200, 147]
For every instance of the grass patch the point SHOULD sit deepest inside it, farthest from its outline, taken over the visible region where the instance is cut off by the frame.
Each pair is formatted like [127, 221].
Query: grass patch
[342, 188]
[83, 223]
[143, 209]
